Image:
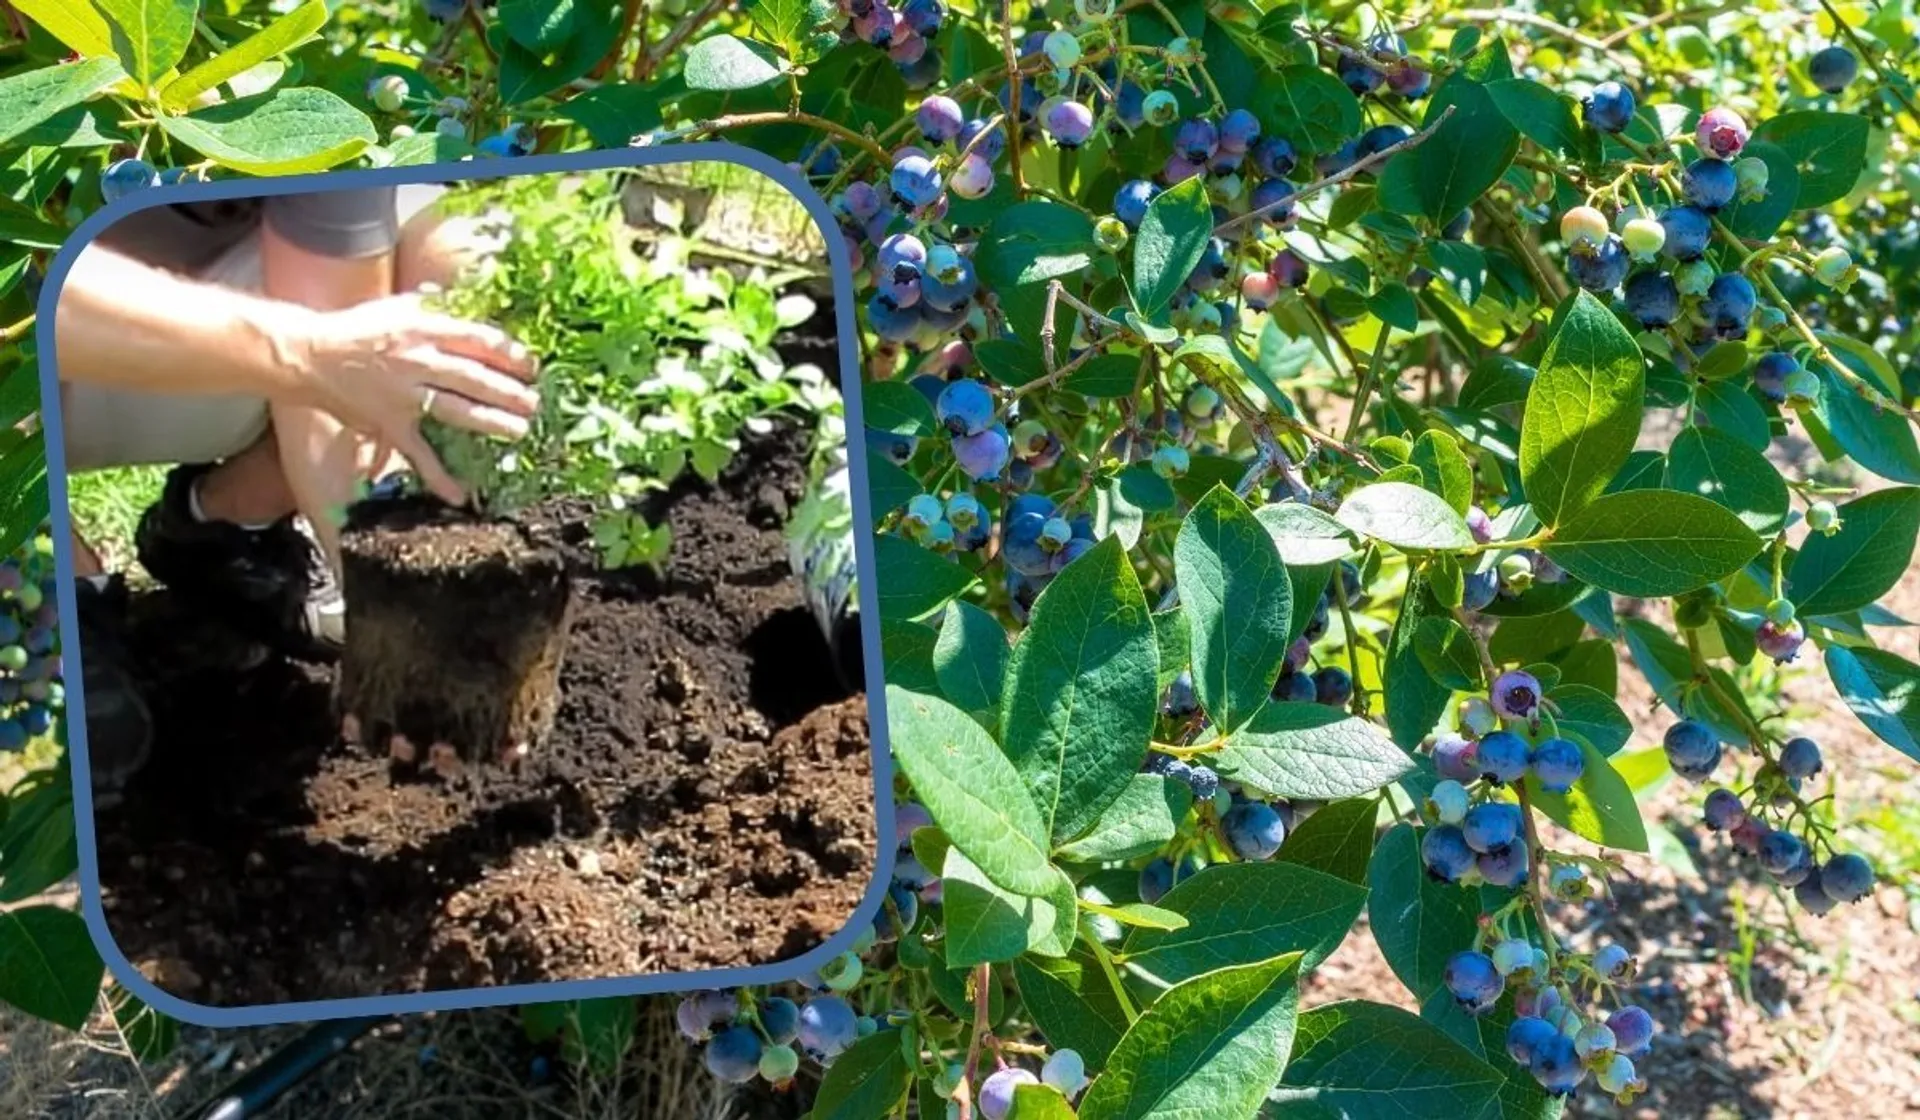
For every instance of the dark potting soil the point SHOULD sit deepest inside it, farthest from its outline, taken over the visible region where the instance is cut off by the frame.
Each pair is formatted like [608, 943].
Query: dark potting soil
[705, 799]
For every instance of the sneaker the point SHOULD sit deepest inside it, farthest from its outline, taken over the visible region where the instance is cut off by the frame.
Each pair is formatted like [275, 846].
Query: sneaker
[270, 583]
[119, 723]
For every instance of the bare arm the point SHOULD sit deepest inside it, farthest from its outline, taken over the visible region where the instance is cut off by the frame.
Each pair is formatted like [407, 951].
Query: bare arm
[126, 324]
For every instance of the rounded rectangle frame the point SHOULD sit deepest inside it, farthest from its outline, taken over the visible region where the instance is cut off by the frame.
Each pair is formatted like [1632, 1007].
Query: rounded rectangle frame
[121, 968]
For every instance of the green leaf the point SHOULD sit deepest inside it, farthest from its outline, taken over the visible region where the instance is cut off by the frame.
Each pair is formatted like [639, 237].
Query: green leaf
[1863, 560]
[1417, 922]
[1109, 375]
[787, 24]
[1883, 690]
[1073, 1003]
[23, 491]
[1312, 751]
[1415, 701]
[280, 132]
[1169, 243]
[1591, 715]
[1238, 913]
[1444, 468]
[1140, 821]
[1583, 410]
[1600, 806]
[1455, 165]
[723, 62]
[1211, 1046]
[428, 147]
[919, 581]
[1336, 839]
[36, 96]
[970, 658]
[971, 790]
[1406, 516]
[1039, 1102]
[37, 843]
[897, 407]
[150, 36]
[150, 1035]
[526, 74]
[1363, 1061]
[987, 924]
[1393, 305]
[1309, 106]
[80, 27]
[1304, 535]
[907, 649]
[1829, 149]
[1025, 246]
[867, 1082]
[614, 114]
[1238, 601]
[1540, 114]
[1652, 543]
[1759, 219]
[1877, 439]
[48, 966]
[889, 486]
[1447, 651]
[1080, 698]
[1717, 466]
[538, 25]
[278, 37]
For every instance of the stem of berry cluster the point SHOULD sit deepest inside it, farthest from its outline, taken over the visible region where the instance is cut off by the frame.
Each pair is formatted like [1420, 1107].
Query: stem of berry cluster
[1013, 97]
[749, 120]
[644, 65]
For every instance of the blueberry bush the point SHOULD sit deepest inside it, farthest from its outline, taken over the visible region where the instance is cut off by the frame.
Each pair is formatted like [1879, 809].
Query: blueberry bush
[1278, 419]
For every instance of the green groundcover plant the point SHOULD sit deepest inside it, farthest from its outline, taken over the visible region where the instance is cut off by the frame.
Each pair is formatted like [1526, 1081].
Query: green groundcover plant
[1277, 419]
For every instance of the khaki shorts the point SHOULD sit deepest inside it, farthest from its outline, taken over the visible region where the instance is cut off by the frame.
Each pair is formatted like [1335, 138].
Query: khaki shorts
[116, 427]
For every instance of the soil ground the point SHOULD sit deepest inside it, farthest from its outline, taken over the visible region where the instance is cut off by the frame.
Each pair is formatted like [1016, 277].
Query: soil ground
[705, 800]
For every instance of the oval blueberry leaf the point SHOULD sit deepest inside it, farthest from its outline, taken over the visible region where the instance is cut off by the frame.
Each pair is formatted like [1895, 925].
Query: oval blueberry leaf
[1863, 559]
[724, 62]
[281, 132]
[1719, 467]
[1583, 410]
[31, 98]
[1406, 516]
[1238, 913]
[1312, 751]
[1169, 243]
[1652, 543]
[1600, 806]
[918, 581]
[1238, 601]
[1361, 1059]
[987, 924]
[970, 657]
[1883, 690]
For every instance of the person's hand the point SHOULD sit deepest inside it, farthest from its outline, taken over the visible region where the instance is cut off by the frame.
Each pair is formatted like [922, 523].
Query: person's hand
[381, 366]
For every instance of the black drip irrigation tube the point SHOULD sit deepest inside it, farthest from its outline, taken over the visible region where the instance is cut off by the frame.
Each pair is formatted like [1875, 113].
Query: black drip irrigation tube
[258, 1088]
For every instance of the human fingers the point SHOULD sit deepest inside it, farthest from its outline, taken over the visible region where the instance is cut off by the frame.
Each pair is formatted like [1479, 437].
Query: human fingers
[433, 474]
[461, 412]
[451, 374]
[481, 342]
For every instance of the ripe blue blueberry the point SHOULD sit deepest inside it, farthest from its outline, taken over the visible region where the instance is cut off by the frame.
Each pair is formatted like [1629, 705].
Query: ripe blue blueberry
[1491, 825]
[1599, 268]
[1653, 298]
[1728, 305]
[1614, 963]
[1632, 1030]
[996, 1092]
[1709, 183]
[940, 119]
[1480, 590]
[124, 177]
[1502, 757]
[1833, 68]
[1846, 878]
[1557, 763]
[1161, 876]
[1333, 686]
[1131, 200]
[1504, 867]
[827, 1027]
[1274, 157]
[1525, 1036]
[1785, 857]
[992, 145]
[1692, 750]
[891, 321]
[1800, 758]
[446, 11]
[897, 914]
[1288, 269]
[1295, 688]
[1239, 130]
[1476, 985]
[1770, 375]
[1811, 894]
[1379, 139]
[965, 407]
[780, 1018]
[1069, 123]
[1203, 781]
[1360, 75]
[924, 17]
[1609, 108]
[1444, 852]
[1556, 1065]
[1270, 198]
[1408, 80]
[1457, 758]
[915, 181]
[1515, 695]
[734, 1055]
[1688, 230]
[983, 455]
[1723, 810]
[1254, 830]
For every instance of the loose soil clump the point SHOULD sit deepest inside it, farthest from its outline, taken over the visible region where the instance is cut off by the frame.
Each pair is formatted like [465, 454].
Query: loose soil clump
[703, 799]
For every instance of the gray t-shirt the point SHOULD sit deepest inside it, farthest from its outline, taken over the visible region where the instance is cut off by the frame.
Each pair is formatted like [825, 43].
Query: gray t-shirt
[189, 236]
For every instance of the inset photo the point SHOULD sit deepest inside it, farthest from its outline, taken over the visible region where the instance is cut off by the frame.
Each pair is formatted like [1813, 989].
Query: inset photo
[466, 583]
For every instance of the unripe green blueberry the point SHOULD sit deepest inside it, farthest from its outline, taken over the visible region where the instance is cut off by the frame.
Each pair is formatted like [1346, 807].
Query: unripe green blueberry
[1583, 223]
[1183, 52]
[389, 92]
[1627, 215]
[866, 938]
[451, 128]
[1568, 883]
[1780, 612]
[1171, 461]
[1644, 237]
[1160, 108]
[947, 1080]
[1802, 388]
[778, 1064]
[1516, 571]
[13, 658]
[1751, 173]
[1224, 189]
[1833, 266]
[922, 512]
[1093, 11]
[1201, 402]
[1110, 233]
[1823, 517]
[29, 597]
[842, 973]
[1693, 278]
[400, 132]
[1477, 716]
[1062, 48]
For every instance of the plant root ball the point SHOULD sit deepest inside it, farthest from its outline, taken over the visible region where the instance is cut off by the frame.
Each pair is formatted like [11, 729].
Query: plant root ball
[456, 629]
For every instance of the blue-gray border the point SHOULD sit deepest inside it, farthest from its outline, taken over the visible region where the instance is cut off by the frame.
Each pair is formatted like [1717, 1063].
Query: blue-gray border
[406, 1003]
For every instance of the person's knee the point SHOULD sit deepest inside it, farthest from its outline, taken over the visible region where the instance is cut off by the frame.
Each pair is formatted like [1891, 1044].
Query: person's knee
[436, 249]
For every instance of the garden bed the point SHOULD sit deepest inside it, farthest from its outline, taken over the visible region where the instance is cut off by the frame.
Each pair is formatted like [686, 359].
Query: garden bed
[703, 800]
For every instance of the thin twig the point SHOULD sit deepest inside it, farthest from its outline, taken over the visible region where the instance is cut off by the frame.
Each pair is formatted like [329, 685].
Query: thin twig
[1356, 167]
[1013, 96]
[17, 331]
[649, 60]
[749, 120]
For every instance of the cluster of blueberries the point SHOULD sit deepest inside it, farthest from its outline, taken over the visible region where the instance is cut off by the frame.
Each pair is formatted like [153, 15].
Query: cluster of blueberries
[905, 31]
[1694, 752]
[31, 692]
